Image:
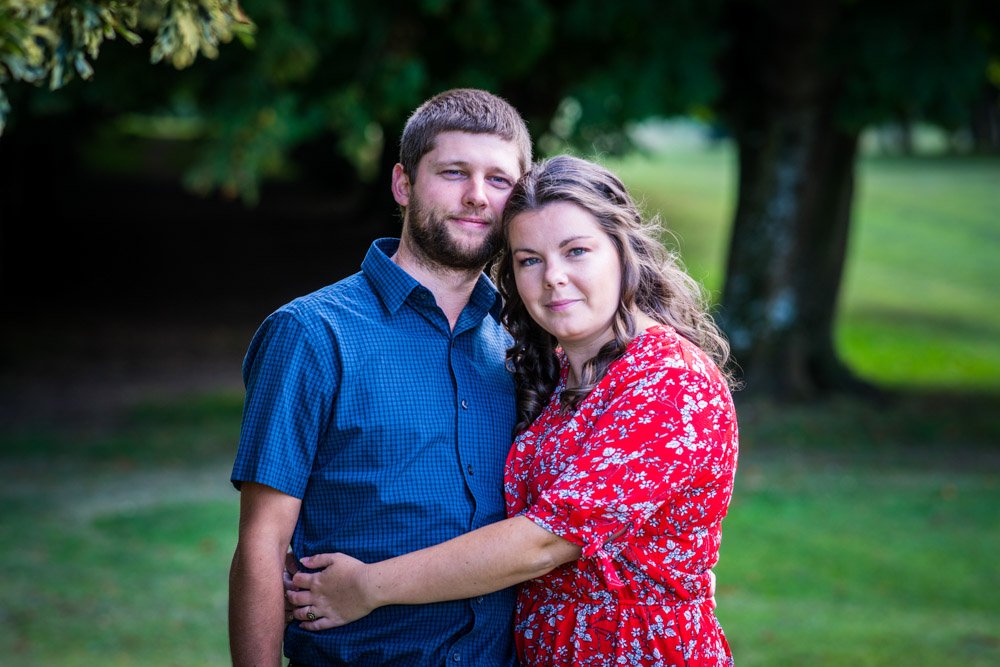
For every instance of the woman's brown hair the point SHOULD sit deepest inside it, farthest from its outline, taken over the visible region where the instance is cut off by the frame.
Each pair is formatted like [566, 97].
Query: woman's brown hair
[653, 282]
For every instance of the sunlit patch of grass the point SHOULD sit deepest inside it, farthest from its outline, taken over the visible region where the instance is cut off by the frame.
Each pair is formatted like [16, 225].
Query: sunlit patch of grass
[691, 191]
[919, 298]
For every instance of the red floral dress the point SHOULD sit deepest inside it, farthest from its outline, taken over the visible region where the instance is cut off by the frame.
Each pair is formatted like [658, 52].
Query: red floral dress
[640, 476]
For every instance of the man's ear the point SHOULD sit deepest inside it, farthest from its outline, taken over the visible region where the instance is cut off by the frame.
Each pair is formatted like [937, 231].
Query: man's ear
[400, 185]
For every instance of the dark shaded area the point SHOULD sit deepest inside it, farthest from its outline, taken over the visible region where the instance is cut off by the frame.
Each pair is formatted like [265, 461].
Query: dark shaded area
[123, 289]
[134, 245]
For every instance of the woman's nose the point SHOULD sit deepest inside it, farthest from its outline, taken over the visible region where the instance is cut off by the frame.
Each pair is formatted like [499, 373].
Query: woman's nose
[554, 275]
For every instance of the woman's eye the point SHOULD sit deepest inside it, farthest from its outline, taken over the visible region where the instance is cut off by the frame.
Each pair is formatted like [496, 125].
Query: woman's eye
[527, 261]
[576, 252]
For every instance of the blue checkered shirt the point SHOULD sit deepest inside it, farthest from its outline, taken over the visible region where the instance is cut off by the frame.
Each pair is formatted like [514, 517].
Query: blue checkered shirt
[393, 429]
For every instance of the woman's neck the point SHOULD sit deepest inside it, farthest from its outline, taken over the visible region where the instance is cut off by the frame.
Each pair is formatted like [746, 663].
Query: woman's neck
[579, 354]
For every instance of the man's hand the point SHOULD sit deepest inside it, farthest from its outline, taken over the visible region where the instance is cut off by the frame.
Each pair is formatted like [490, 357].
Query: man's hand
[334, 596]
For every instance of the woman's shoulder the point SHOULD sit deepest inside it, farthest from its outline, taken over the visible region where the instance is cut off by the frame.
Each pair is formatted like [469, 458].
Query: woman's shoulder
[661, 354]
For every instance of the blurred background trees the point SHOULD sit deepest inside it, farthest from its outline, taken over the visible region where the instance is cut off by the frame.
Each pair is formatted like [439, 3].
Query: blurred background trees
[152, 215]
[317, 99]
[50, 42]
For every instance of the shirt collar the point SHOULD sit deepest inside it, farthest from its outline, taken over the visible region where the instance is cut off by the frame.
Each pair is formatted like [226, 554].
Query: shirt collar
[393, 285]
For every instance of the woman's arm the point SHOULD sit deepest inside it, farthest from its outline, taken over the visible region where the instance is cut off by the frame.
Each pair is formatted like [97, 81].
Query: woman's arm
[482, 561]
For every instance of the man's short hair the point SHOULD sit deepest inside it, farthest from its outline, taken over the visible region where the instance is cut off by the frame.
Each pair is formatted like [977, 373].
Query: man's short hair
[462, 110]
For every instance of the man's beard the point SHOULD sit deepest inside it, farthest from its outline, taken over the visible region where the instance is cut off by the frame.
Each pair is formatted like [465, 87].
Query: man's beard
[432, 240]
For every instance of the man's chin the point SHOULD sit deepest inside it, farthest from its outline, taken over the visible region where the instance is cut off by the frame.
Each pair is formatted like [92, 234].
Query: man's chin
[467, 256]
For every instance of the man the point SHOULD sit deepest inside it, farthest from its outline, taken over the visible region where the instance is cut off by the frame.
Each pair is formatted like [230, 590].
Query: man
[379, 413]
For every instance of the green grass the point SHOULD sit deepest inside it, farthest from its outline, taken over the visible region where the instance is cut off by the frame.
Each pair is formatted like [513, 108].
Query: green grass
[116, 543]
[880, 552]
[859, 534]
[919, 305]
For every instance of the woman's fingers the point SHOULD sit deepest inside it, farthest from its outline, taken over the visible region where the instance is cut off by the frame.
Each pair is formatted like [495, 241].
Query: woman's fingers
[303, 580]
[319, 561]
[306, 613]
[309, 619]
[319, 624]
[299, 598]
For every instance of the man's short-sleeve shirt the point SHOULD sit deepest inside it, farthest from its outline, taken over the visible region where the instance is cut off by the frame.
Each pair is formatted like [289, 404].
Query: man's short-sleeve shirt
[393, 429]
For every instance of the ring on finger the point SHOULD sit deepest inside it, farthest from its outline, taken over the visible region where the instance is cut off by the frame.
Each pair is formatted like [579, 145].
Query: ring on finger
[311, 616]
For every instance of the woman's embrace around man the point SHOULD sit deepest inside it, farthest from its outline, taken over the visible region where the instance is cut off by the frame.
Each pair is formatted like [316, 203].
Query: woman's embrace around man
[625, 452]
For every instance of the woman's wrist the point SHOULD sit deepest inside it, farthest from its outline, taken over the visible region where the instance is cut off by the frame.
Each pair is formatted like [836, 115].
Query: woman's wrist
[373, 594]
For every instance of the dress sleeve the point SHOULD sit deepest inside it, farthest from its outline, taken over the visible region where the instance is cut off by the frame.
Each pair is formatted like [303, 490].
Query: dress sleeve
[655, 441]
[290, 383]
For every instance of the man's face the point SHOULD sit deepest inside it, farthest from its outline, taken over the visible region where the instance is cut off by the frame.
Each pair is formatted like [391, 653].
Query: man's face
[454, 203]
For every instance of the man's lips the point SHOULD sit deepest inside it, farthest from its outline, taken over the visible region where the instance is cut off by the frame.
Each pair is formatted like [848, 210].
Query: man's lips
[471, 220]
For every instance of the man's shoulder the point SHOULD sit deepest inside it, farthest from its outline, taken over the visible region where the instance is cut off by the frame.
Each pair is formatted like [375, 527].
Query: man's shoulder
[346, 294]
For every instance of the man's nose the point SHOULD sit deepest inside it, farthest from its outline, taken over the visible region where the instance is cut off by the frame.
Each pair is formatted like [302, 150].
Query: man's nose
[475, 193]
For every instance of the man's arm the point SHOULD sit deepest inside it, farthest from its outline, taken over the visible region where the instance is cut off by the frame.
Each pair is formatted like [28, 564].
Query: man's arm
[256, 592]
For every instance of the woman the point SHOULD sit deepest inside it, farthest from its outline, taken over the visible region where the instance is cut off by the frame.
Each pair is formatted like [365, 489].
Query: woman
[623, 467]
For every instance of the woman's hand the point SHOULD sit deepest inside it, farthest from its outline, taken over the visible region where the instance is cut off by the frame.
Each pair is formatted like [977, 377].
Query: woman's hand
[333, 596]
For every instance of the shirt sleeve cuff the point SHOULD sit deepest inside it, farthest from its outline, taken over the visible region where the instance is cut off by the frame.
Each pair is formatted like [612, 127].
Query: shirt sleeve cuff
[586, 526]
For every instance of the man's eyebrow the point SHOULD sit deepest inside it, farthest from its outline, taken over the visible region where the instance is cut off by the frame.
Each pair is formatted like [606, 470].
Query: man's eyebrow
[453, 162]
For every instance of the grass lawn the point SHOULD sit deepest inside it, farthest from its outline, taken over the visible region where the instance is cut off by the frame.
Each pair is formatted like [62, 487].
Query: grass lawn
[865, 535]
[116, 544]
[859, 534]
[919, 305]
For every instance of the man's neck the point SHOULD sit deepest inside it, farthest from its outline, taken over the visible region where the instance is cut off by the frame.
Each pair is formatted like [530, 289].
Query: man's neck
[451, 288]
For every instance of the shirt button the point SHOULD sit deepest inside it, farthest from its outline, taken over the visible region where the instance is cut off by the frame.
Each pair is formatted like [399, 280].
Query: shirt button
[456, 658]
[465, 404]
[469, 468]
[479, 599]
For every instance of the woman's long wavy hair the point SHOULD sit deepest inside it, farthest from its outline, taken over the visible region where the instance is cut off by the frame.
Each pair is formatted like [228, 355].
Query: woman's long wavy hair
[653, 282]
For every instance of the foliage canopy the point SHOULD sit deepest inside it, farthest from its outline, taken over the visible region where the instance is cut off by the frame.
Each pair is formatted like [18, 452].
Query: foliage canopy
[346, 73]
[48, 41]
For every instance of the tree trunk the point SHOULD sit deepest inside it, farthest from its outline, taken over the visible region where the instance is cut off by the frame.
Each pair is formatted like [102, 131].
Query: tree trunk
[796, 185]
[787, 254]
[985, 121]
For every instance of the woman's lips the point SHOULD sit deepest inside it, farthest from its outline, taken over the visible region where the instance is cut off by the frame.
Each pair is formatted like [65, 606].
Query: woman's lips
[560, 305]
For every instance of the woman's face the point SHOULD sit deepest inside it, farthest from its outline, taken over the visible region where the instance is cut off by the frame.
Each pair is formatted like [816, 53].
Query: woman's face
[568, 274]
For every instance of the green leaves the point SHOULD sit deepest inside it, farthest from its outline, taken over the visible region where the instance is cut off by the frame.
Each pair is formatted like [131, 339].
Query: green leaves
[185, 28]
[57, 40]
